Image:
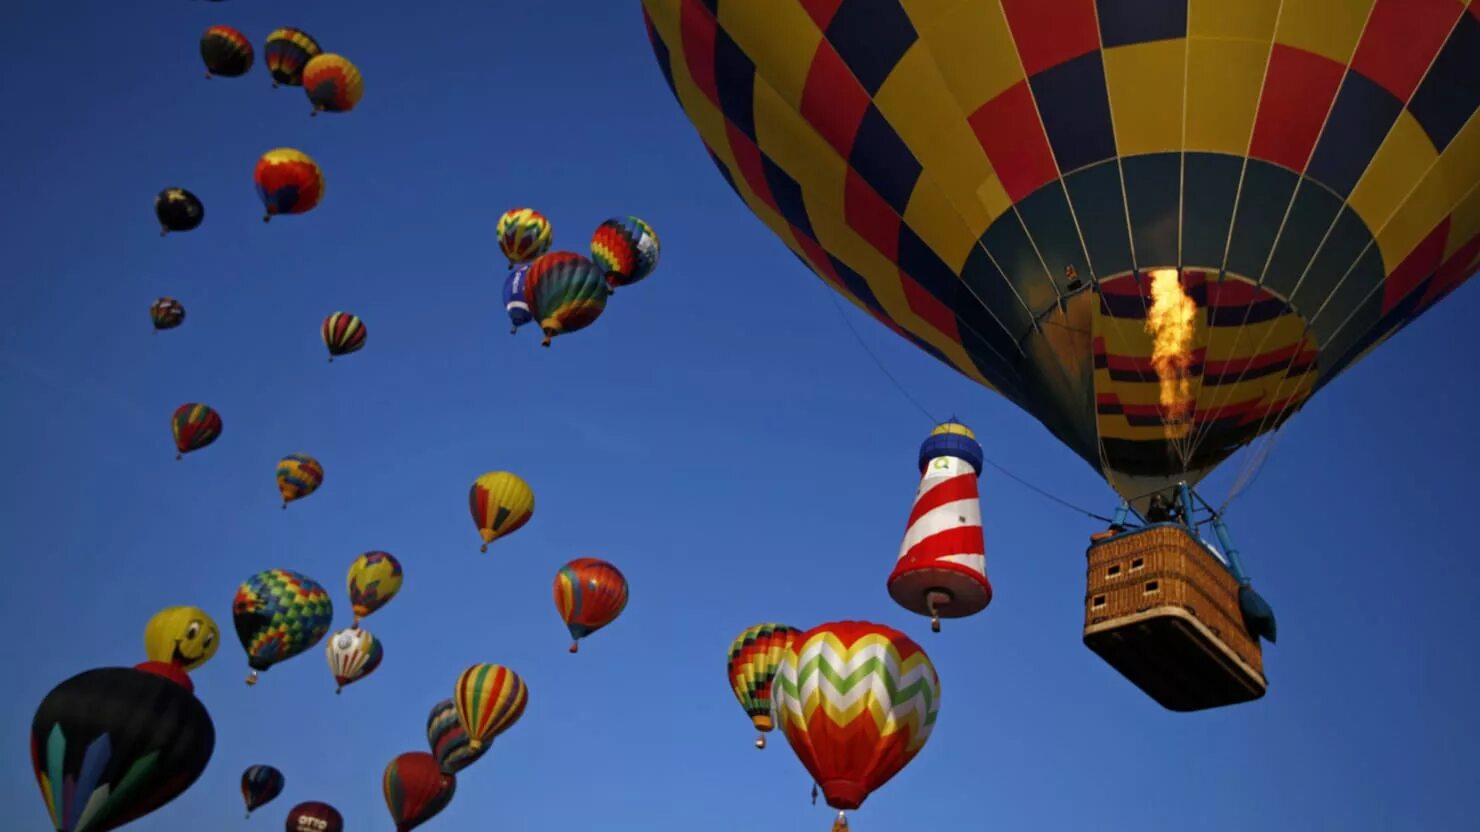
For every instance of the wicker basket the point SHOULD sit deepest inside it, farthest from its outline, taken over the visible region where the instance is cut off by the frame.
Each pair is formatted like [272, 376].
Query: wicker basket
[1164, 612]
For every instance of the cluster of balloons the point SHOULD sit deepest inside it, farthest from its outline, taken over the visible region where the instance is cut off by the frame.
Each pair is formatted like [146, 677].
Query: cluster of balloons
[333, 84]
[563, 290]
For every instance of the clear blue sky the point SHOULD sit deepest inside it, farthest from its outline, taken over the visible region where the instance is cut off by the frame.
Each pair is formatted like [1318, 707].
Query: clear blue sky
[774, 487]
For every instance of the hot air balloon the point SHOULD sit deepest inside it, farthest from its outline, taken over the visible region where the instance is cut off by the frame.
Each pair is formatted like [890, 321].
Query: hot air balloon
[112, 744]
[374, 579]
[626, 248]
[184, 636]
[449, 740]
[565, 292]
[416, 789]
[514, 302]
[298, 475]
[501, 503]
[166, 313]
[178, 210]
[353, 654]
[278, 614]
[942, 565]
[754, 657]
[589, 594]
[1308, 195]
[332, 83]
[523, 234]
[260, 784]
[286, 53]
[856, 701]
[288, 182]
[343, 334]
[314, 816]
[195, 426]
[226, 52]
[489, 699]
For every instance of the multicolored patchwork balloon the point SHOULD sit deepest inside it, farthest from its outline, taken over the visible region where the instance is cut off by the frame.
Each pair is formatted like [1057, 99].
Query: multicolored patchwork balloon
[286, 53]
[288, 182]
[353, 654]
[374, 579]
[754, 657]
[279, 613]
[416, 789]
[195, 426]
[489, 699]
[856, 701]
[332, 83]
[565, 291]
[344, 333]
[589, 594]
[260, 784]
[523, 234]
[112, 744]
[449, 740]
[298, 475]
[226, 52]
[626, 248]
[166, 313]
[501, 503]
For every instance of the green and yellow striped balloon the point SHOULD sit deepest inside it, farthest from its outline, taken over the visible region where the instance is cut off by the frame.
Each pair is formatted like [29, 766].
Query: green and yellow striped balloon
[755, 655]
[489, 698]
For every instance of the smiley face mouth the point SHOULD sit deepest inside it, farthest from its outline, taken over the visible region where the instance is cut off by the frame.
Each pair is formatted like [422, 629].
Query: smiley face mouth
[179, 657]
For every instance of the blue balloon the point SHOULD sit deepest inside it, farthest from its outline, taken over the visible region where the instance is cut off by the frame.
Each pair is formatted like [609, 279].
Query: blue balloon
[514, 302]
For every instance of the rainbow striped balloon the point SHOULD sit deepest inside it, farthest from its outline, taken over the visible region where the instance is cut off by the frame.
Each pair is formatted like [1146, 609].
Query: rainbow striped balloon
[755, 656]
[195, 426]
[298, 475]
[448, 739]
[856, 701]
[489, 698]
[565, 292]
[589, 594]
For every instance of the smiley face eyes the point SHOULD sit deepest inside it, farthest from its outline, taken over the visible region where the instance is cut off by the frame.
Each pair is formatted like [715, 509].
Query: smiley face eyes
[209, 640]
[192, 631]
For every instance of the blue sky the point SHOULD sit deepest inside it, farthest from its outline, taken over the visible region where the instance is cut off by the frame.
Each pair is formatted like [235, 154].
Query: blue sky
[775, 487]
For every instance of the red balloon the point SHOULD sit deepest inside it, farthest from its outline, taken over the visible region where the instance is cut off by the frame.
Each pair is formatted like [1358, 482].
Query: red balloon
[416, 789]
[313, 816]
[168, 670]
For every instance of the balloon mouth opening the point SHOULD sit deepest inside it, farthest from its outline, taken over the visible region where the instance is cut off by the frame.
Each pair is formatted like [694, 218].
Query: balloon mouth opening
[762, 722]
[843, 795]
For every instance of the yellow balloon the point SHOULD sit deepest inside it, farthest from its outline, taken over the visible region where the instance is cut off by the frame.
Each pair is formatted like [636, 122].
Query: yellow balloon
[186, 636]
[501, 503]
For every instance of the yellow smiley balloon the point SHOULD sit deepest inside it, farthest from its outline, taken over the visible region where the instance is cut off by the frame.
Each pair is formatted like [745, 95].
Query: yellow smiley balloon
[186, 636]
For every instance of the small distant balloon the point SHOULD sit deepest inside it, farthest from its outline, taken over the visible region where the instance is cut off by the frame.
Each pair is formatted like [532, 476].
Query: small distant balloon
[449, 740]
[416, 789]
[286, 53]
[523, 234]
[260, 784]
[288, 182]
[374, 579]
[501, 503]
[343, 334]
[314, 816]
[332, 83]
[166, 313]
[195, 426]
[178, 210]
[298, 475]
[589, 594]
[226, 52]
[353, 654]
[626, 248]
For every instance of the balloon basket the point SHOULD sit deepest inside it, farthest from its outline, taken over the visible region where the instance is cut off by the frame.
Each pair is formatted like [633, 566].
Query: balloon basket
[1163, 611]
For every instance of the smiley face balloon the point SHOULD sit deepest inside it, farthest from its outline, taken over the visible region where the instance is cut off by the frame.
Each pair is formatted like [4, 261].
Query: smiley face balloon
[185, 636]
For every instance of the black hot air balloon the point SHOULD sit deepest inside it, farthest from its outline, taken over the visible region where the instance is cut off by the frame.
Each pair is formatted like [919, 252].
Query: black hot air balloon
[178, 210]
[112, 744]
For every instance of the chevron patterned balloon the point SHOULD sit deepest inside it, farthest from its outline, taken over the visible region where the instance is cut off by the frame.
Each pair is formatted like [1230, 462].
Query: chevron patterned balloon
[856, 701]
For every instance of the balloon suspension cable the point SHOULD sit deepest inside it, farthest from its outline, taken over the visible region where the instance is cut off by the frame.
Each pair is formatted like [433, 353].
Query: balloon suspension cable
[933, 599]
[933, 421]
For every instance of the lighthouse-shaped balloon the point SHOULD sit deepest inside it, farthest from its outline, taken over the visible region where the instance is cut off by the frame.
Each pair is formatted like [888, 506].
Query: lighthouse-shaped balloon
[942, 566]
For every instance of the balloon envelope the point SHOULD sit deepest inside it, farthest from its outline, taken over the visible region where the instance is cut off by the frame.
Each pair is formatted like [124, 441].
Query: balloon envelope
[999, 183]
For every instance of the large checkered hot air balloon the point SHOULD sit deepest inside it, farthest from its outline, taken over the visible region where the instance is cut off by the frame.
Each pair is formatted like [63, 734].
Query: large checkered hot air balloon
[279, 613]
[999, 182]
[856, 701]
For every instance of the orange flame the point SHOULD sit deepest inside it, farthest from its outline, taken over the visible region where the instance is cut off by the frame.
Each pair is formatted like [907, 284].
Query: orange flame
[1171, 321]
